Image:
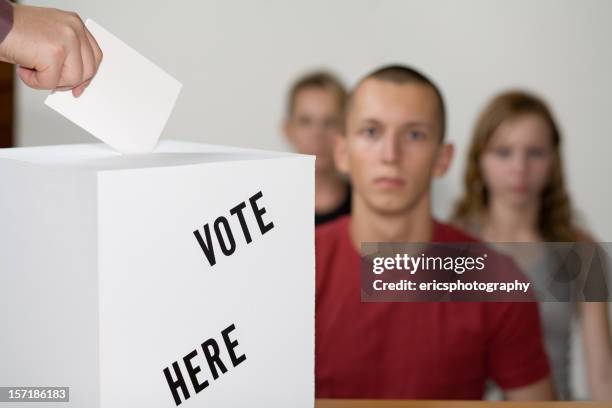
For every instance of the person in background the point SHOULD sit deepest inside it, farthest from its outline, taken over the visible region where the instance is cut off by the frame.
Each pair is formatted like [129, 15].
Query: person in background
[393, 147]
[515, 192]
[314, 118]
[53, 48]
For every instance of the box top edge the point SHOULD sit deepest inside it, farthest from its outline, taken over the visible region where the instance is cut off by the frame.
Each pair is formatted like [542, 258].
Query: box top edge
[168, 153]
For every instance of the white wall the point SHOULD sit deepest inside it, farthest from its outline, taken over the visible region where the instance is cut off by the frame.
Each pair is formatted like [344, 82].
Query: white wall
[236, 59]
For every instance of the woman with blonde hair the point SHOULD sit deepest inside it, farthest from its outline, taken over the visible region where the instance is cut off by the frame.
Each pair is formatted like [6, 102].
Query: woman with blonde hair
[515, 192]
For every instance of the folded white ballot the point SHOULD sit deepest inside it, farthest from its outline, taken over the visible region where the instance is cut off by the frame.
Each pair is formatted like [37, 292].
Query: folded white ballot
[128, 102]
[181, 277]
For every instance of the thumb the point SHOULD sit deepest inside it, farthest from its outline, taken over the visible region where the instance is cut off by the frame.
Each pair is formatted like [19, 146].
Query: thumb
[46, 79]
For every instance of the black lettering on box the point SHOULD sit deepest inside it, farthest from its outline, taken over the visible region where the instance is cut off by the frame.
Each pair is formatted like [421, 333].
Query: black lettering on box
[193, 371]
[259, 212]
[213, 357]
[179, 383]
[231, 345]
[224, 234]
[227, 250]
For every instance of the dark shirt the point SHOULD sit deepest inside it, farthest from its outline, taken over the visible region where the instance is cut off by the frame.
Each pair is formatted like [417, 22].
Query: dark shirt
[343, 209]
[6, 18]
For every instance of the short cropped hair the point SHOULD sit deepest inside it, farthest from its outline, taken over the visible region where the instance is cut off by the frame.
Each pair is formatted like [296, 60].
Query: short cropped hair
[401, 74]
[321, 80]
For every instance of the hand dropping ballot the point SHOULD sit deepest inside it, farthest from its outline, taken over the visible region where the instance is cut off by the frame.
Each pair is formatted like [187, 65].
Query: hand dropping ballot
[128, 102]
[183, 276]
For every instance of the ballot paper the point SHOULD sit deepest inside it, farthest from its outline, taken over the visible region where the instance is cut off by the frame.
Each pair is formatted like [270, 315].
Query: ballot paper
[128, 102]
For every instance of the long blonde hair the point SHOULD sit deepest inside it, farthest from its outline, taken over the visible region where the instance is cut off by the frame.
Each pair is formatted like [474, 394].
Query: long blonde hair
[555, 215]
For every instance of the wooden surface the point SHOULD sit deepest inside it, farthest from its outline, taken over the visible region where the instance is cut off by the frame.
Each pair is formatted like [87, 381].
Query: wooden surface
[338, 403]
[6, 104]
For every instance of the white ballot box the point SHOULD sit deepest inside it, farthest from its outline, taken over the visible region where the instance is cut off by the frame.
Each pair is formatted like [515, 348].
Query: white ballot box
[181, 277]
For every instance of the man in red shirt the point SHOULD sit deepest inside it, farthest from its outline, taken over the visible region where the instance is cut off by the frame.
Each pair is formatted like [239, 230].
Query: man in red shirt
[393, 148]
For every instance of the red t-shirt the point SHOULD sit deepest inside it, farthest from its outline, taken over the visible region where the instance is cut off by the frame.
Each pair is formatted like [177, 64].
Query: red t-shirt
[434, 350]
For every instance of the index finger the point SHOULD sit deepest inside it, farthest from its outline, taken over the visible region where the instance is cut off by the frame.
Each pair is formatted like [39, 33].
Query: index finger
[97, 51]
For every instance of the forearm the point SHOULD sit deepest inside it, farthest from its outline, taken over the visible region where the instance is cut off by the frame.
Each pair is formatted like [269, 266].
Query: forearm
[599, 370]
[542, 390]
[600, 384]
[598, 349]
